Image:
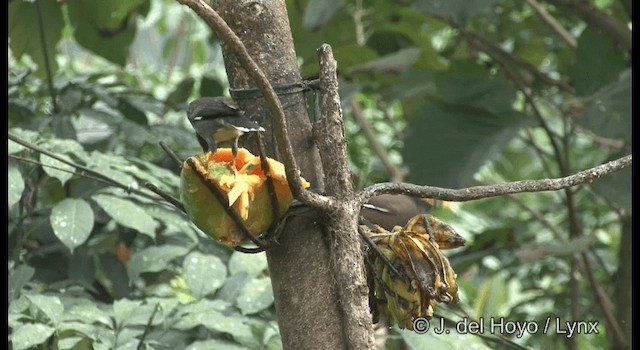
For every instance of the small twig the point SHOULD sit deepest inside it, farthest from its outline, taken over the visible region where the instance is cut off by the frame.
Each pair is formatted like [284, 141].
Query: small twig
[523, 64]
[167, 197]
[148, 327]
[395, 173]
[487, 191]
[83, 170]
[607, 142]
[264, 164]
[45, 56]
[552, 23]
[170, 153]
[235, 45]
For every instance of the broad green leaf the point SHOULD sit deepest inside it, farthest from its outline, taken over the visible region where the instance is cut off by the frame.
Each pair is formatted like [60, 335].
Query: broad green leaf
[210, 86]
[450, 338]
[256, 296]
[181, 93]
[89, 313]
[477, 90]
[608, 111]
[250, 264]
[51, 165]
[22, 134]
[204, 274]
[131, 111]
[153, 259]
[318, 13]
[127, 214]
[598, 62]
[214, 344]
[24, 36]
[396, 62]
[70, 342]
[29, 335]
[18, 278]
[124, 309]
[446, 145]
[72, 222]
[16, 185]
[105, 27]
[459, 11]
[617, 187]
[51, 306]
[493, 294]
[108, 164]
[236, 326]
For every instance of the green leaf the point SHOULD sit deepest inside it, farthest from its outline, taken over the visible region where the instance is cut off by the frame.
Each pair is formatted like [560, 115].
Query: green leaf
[29, 335]
[236, 326]
[396, 62]
[18, 278]
[250, 264]
[24, 38]
[449, 339]
[598, 61]
[459, 11]
[204, 274]
[477, 90]
[72, 222]
[153, 259]
[608, 112]
[16, 185]
[446, 145]
[70, 342]
[105, 27]
[214, 344]
[127, 214]
[493, 294]
[124, 309]
[89, 313]
[318, 13]
[617, 187]
[130, 111]
[181, 93]
[49, 166]
[210, 86]
[51, 306]
[256, 296]
[22, 134]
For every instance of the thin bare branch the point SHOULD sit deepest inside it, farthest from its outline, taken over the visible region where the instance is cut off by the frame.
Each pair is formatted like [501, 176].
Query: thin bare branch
[81, 169]
[488, 191]
[552, 23]
[225, 33]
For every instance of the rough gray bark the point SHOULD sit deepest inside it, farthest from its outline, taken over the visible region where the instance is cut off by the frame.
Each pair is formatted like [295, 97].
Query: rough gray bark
[308, 303]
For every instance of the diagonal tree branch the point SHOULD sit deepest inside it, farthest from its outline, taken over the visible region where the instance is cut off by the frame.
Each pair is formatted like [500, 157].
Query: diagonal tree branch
[487, 191]
[551, 22]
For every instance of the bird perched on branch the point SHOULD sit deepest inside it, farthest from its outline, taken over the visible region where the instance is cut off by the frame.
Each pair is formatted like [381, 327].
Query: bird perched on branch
[218, 120]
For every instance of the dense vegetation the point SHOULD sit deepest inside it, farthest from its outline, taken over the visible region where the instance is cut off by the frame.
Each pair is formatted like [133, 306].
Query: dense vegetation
[456, 93]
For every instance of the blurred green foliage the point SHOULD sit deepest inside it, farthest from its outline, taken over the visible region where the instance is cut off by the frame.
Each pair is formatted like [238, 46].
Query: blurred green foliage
[456, 93]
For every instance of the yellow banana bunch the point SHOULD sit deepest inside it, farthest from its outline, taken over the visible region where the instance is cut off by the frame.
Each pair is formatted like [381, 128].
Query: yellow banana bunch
[410, 273]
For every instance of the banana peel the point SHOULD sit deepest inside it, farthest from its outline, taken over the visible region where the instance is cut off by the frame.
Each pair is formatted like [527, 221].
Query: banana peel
[426, 275]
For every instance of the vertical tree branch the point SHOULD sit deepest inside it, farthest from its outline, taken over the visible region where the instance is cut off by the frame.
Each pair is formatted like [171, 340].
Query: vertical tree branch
[347, 259]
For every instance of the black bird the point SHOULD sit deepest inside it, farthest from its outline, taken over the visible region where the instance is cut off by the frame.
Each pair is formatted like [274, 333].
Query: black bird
[218, 120]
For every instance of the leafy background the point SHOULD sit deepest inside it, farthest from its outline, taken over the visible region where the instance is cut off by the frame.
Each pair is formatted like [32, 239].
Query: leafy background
[445, 86]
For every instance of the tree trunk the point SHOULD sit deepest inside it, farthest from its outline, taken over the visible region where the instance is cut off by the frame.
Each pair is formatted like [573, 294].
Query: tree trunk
[309, 295]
